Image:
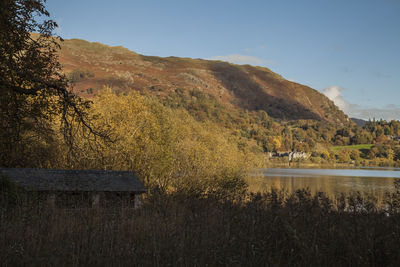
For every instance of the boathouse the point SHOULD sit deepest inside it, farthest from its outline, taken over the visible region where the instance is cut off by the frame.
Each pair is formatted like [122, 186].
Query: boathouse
[79, 188]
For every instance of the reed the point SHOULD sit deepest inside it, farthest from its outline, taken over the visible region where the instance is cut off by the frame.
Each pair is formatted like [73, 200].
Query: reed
[181, 230]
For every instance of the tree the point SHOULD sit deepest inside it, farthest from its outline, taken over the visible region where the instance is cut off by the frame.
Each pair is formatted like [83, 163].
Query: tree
[343, 155]
[33, 90]
[354, 154]
[372, 153]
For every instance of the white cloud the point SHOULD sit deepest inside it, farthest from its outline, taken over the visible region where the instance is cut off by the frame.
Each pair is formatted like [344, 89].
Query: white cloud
[334, 93]
[389, 112]
[240, 59]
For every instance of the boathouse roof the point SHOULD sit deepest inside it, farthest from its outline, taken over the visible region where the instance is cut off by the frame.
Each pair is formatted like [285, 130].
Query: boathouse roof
[74, 180]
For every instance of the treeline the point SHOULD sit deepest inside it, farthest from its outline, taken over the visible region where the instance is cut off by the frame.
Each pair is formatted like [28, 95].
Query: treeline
[382, 135]
[310, 136]
[256, 125]
[372, 132]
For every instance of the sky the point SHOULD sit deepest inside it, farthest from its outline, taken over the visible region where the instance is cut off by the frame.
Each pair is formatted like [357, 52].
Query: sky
[349, 50]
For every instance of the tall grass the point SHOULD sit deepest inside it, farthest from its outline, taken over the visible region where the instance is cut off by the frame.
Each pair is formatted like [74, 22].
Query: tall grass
[181, 230]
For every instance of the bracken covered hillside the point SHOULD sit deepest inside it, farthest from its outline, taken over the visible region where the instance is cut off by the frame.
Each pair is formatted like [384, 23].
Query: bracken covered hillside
[91, 66]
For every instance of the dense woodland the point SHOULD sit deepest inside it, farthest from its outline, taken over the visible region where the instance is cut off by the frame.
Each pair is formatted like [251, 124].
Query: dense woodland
[192, 153]
[319, 138]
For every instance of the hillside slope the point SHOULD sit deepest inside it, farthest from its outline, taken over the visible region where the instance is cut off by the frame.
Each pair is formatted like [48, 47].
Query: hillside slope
[93, 65]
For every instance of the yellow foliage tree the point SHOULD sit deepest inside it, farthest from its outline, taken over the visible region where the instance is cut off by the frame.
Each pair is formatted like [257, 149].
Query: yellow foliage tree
[167, 147]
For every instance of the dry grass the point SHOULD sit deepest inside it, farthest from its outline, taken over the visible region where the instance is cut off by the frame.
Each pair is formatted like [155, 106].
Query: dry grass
[180, 230]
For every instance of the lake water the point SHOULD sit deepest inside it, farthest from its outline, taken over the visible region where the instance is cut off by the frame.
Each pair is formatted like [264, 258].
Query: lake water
[376, 181]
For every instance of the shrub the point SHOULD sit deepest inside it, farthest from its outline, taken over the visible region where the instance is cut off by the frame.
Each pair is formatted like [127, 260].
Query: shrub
[77, 75]
[343, 155]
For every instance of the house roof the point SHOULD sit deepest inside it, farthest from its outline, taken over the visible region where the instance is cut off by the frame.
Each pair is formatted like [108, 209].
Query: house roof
[74, 180]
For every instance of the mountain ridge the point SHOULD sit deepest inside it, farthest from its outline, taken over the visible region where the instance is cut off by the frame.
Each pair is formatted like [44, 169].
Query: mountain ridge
[92, 65]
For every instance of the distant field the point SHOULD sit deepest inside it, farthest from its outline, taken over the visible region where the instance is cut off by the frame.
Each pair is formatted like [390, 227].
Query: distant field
[364, 149]
[355, 147]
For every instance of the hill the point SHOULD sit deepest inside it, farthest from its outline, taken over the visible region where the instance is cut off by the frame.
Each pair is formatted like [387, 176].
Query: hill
[91, 66]
[359, 122]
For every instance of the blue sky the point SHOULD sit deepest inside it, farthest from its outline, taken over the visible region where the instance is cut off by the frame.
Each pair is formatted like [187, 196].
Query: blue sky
[347, 49]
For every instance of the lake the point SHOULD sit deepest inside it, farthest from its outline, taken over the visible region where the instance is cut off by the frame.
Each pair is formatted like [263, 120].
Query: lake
[375, 181]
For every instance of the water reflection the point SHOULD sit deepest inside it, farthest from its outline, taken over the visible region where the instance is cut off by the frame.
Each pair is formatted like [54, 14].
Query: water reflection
[331, 181]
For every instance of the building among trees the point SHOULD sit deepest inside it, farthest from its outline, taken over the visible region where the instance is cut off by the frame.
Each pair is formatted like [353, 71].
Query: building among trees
[78, 188]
